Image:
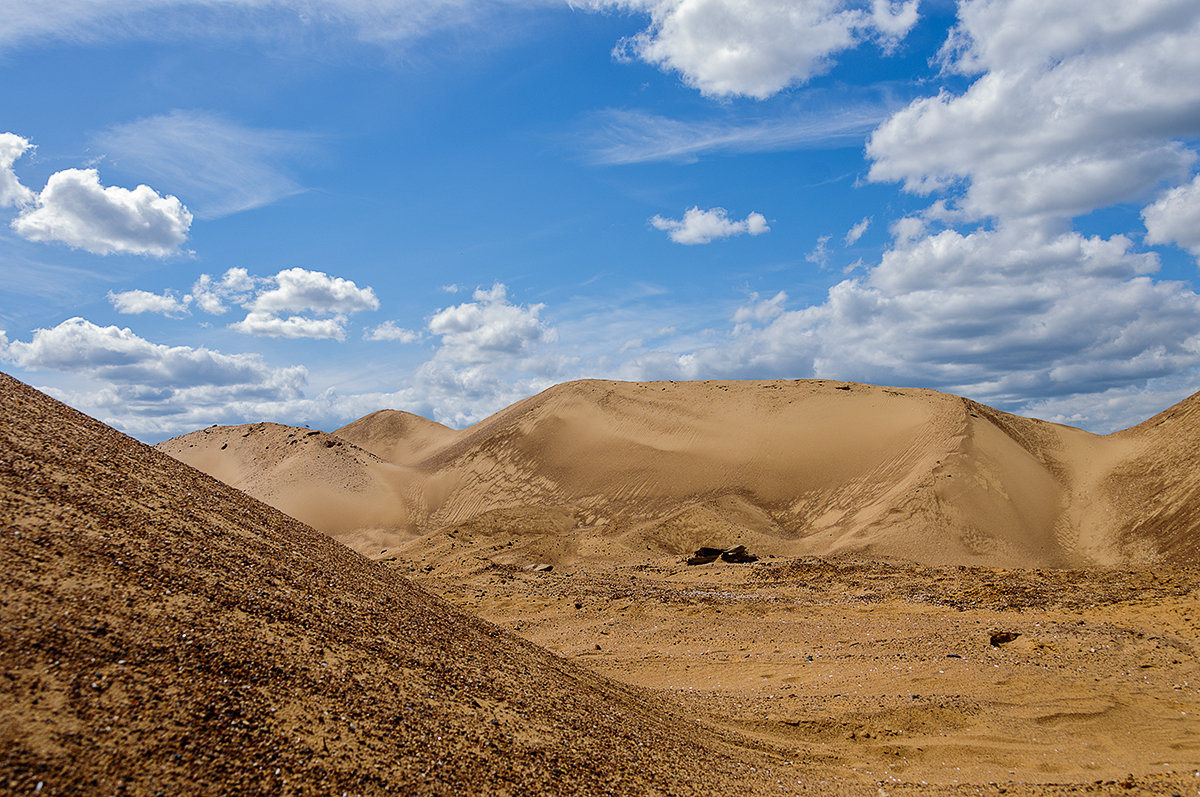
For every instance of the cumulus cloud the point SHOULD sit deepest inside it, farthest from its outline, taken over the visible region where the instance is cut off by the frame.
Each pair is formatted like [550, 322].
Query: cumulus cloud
[139, 370]
[211, 295]
[488, 328]
[1117, 407]
[390, 330]
[75, 209]
[1174, 218]
[12, 193]
[150, 389]
[294, 303]
[136, 302]
[268, 325]
[704, 226]
[297, 290]
[489, 352]
[756, 48]
[1078, 105]
[219, 166]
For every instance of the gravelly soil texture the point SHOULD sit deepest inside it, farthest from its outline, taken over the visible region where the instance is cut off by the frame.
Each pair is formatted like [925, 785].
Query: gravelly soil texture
[161, 633]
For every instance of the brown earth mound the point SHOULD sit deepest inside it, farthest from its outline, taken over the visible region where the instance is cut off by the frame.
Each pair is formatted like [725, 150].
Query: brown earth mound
[163, 633]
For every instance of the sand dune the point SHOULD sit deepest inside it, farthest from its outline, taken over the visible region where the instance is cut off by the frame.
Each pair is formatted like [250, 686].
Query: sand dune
[166, 634]
[329, 483]
[397, 436]
[791, 468]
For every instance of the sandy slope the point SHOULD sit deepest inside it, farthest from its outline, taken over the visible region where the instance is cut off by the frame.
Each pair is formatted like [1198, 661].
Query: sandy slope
[163, 633]
[793, 468]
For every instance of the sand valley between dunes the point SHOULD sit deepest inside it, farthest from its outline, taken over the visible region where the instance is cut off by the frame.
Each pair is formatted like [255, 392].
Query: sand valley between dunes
[942, 598]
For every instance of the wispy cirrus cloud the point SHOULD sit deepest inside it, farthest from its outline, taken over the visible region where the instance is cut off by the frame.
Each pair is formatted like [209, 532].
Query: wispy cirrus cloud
[619, 136]
[379, 21]
[218, 166]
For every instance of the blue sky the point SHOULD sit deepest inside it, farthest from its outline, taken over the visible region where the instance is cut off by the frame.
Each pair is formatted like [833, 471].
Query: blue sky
[307, 210]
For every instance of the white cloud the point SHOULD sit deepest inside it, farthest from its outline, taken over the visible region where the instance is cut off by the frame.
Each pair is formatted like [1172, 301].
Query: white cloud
[761, 310]
[268, 325]
[1080, 105]
[704, 226]
[856, 232]
[623, 136]
[387, 22]
[294, 303]
[756, 48]
[150, 389]
[138, 368]
[235, 285]
[488, 328]
[136, 302]
[12, 193]
[218, 166]
[489, 354]
[819, 255]
[1175, 217]
[76, 210]
[389, 330]
[1116, 407]
[299, 290]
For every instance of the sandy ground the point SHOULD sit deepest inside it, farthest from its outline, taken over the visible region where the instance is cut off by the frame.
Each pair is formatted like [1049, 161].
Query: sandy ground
[885, 675]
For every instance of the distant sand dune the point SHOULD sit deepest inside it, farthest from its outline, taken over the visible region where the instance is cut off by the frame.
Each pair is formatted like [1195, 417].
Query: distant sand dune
[806, 467]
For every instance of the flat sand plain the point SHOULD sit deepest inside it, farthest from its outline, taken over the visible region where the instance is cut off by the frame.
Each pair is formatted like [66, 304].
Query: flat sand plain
[885, 675]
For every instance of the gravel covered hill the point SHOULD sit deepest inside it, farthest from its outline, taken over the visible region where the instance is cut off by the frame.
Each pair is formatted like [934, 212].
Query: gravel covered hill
[164, 633]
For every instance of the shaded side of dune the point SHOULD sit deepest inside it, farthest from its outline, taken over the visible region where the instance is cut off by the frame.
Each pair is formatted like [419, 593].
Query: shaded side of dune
[165, 633]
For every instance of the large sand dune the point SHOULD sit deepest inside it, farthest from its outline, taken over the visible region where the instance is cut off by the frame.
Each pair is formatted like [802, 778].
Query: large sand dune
[614, 471]
[165, 634]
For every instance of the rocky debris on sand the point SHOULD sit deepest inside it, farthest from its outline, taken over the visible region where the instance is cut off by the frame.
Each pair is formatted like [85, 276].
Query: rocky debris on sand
[735, 555]
[738, 555]
[542, 568]
[999, 638]
[704, 556]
